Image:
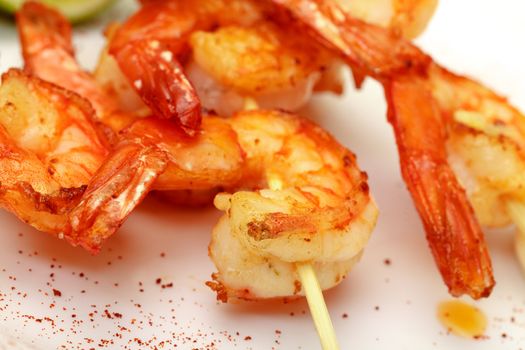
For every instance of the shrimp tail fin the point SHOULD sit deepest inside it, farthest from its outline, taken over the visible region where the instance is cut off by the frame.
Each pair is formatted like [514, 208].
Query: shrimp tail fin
[40, 27]
[366, 47]
[159, 79]
[454, 235]
[115, 190]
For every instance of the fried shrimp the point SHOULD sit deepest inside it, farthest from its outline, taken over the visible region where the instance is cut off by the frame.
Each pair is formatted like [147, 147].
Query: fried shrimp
[293, 195]
[177, 54]
[309, 203]
[227, 49]
[422, 99]
[48, 53]
[50, 151]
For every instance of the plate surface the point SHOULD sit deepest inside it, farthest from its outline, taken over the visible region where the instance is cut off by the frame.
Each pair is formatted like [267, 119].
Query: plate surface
[113, 300]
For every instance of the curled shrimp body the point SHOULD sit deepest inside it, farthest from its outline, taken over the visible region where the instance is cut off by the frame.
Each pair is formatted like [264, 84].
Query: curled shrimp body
[50, 151]
[486, 151]
[420, 99]
[302, 199]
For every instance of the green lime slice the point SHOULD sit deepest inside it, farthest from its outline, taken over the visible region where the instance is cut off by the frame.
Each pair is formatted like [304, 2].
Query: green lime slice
[75, 10]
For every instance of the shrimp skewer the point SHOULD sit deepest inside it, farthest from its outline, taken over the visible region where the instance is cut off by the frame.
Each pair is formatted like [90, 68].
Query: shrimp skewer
[231, 50]
[452, 231]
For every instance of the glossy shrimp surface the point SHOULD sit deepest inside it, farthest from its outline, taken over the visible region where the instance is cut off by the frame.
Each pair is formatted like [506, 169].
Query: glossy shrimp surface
[148, 48]
[276, 69]
[302, 200]
[486, 150]
[421, 98]
[50, 151]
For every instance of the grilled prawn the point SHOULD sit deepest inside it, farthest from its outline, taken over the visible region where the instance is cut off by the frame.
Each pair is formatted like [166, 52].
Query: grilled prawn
[450, 132]
[50, 150]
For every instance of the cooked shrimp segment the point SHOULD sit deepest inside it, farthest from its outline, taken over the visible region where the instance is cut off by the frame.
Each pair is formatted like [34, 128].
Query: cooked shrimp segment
[454, 235]
[486, 150]
[51, 149]
[177, 53]
[309, 204]
[148, 48]
[420, 101]
[246, 55]
[154, 154]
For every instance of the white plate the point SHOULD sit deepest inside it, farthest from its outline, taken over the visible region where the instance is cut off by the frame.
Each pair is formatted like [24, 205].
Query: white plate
[390, 307]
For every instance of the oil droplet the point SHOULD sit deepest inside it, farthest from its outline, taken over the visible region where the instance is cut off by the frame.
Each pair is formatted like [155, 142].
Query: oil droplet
[462, 319]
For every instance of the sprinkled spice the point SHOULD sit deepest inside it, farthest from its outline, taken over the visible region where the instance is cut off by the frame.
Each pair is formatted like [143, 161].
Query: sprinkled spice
[57, 293]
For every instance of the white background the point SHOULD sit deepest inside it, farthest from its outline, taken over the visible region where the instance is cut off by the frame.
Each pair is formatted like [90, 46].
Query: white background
[478, 38]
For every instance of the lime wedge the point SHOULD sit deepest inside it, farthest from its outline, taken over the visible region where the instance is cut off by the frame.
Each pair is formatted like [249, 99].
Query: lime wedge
[75, 10]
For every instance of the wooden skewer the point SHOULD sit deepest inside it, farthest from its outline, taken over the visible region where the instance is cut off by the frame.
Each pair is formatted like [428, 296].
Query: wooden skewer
[314, 295]
[317, 305]
[309, 282]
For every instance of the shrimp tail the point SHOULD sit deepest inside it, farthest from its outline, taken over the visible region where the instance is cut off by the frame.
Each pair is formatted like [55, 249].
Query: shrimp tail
[150, 62]
[41, 27]
[454, 235]
[160, 81]
[115, 190]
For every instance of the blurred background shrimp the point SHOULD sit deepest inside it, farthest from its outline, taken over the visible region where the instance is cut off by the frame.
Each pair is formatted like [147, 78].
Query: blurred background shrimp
[233, 50]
